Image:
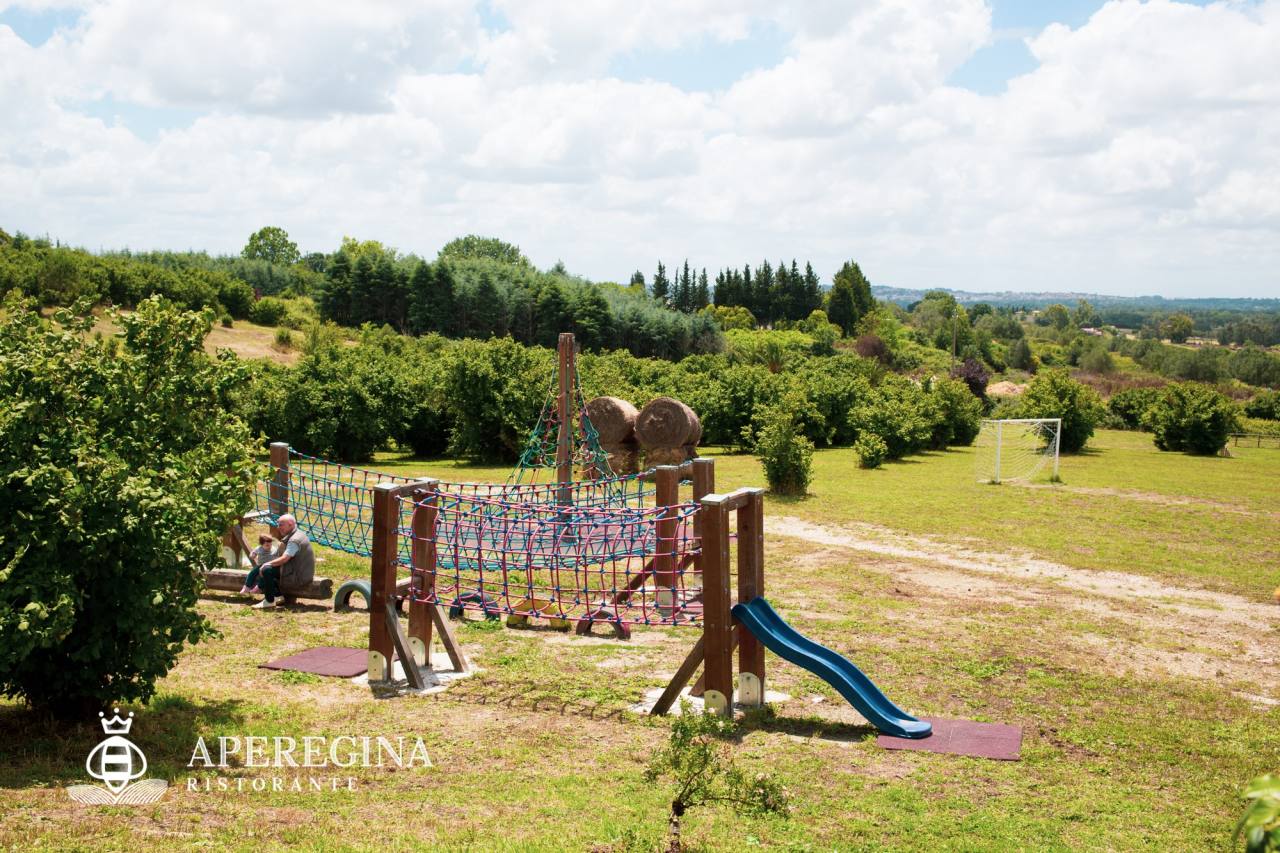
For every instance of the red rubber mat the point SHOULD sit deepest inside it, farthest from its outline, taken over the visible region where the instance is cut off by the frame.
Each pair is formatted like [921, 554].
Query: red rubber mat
[326, 660]
[964, 737]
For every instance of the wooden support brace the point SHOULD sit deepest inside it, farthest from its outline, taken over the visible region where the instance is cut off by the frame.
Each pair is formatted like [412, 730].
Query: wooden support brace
[681, 678]
[401, 643]
[451, 647]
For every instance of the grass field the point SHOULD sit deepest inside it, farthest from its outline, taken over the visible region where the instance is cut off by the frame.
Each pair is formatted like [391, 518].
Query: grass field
[1122, 618]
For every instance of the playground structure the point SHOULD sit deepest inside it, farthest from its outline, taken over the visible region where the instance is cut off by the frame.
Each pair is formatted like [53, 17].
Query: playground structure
[583, 549]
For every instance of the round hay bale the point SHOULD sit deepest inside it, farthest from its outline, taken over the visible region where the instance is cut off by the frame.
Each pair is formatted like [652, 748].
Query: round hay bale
[613, 418]
[666, 423]
[669, 455]
[695, 434]
[624, 460]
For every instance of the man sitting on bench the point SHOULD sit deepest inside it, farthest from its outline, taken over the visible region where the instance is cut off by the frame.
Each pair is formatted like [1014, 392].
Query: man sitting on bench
[293, 569]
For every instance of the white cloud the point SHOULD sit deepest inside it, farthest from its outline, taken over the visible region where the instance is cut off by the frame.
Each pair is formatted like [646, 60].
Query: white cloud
[1141, 155]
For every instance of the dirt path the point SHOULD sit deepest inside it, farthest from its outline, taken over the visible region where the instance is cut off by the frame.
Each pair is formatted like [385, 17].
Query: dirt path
[1195, 632]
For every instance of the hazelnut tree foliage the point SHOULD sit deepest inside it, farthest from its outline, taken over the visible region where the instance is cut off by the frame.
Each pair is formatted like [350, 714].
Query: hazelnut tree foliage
[122, 464]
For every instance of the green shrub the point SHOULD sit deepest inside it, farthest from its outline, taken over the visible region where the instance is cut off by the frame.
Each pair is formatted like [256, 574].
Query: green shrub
[1054, 394]
[1260, 826]
[283, 339]
[955, 414]
[896, 411]
[495, 390]
[1130, 405]
[1193, 418]
[236, 297]
[269, 311]
[787, 456]
[122, 465]
[1266, 406]
[871, 450]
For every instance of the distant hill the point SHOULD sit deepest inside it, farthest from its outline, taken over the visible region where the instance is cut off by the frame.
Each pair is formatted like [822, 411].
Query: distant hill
[905, 296]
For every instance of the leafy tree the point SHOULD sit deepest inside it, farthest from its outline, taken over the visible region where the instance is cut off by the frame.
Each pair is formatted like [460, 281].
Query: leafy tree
[699, 762]
[1020, 357]
[1097, 359]
[785, 454]
[1054, 394]
[269, 311]
[1085, 314]
[1177, 328]
[473, 247]
[122, 465]
[1266, 406]
[955, 413]
[897, 411]
[1055, 315]
[1260, 826]
[735, 317]
[973, 375]
[271, 244]
[1192, 417]
[1129, 406]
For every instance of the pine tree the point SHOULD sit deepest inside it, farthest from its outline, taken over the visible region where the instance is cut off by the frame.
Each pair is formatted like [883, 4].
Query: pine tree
[812, 292]
[364, 291]
[637, 279]
[702, 293]
[334, 298]
[551, 315]
[762, 295]
[661, 286]
[840, 310]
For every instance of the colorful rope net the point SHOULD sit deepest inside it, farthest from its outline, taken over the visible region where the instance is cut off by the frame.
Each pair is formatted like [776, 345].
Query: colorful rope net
[587, 456]
[603, 563]
[333, 502]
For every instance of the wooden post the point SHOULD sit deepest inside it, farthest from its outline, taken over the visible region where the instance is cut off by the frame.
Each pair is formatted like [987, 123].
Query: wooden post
[751, 683]
[278, 487]
[382, 580]
[423, 526]
[717, 622]
[564, 439]
[666, 496]
[704, 483]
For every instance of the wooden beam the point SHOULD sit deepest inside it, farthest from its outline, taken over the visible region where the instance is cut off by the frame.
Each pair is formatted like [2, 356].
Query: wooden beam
[423, 526]
[382, 579]
[451, 647]
[278, 486]
[680, 679]
[704, 483]
[717, 624]
[564, 439]
[411, 672]
[751, 684]
[666, 497]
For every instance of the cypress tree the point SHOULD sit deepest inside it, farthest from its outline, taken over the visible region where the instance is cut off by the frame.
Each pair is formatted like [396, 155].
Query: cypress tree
[661, 286]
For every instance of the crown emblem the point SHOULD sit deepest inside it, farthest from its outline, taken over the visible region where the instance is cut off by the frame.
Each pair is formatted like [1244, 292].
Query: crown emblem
[117, 725]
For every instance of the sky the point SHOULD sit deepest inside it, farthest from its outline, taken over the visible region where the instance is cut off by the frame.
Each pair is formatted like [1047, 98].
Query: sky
[1124, 147]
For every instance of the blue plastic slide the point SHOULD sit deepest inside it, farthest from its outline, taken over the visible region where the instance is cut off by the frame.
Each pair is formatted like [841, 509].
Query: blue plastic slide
[858, 690]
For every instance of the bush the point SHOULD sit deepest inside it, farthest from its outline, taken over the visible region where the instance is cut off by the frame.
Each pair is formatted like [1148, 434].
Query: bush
[1266, 406]
[1054, 394]
[1130, 406]
[269, 311]
[236, 297]
[956, 414]
[897, 412]
[122, 466]
[871, 450]
[1193, 418]
[787, 456]
[283, 339]
[973, 374]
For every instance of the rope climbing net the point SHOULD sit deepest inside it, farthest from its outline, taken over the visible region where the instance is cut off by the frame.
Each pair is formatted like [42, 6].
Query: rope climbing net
[604, 563]
[587, 456]
[333, 502]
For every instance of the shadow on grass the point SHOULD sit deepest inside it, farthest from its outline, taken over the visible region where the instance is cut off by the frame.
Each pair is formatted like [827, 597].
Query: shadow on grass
[236, 600]
[810, 727]
[39, 751]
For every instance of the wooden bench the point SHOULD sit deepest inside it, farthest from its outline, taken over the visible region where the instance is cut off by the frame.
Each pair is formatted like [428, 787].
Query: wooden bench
[232, 580]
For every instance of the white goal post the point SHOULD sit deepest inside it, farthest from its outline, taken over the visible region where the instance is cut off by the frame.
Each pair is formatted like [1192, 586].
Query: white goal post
[1017, 449]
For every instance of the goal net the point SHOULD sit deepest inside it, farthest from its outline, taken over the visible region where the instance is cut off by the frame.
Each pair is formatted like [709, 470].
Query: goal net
[1017, 449]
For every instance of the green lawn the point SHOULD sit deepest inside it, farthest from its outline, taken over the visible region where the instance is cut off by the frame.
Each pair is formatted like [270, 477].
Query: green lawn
[1141, 721]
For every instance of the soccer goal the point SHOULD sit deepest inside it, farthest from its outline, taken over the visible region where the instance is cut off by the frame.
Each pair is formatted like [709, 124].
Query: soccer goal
[1017, 449]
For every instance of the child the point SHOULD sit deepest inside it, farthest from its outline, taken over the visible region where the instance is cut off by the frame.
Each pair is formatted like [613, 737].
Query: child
[264, 552]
